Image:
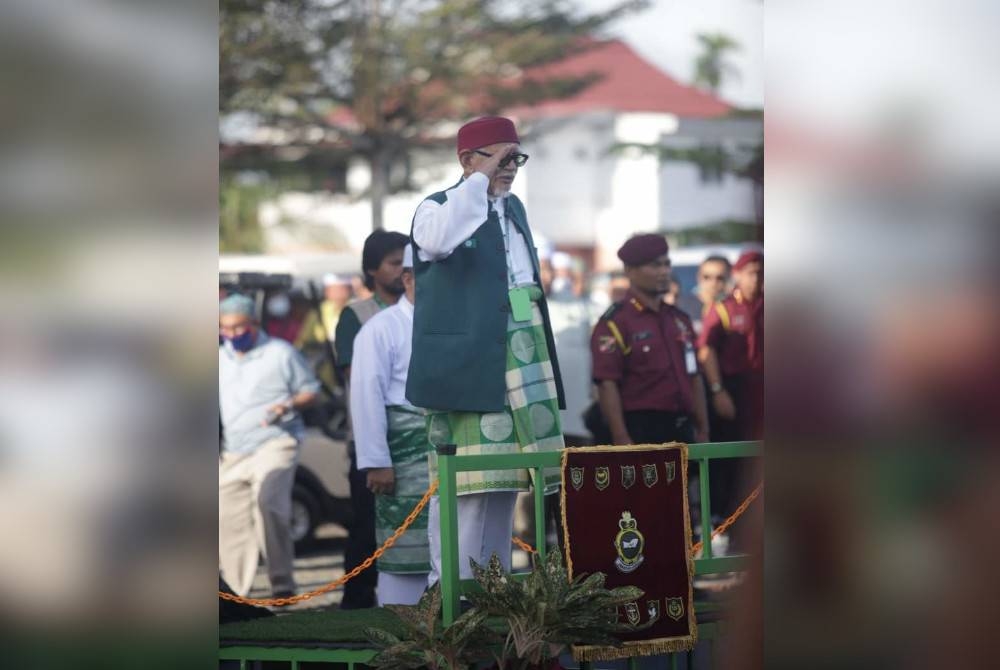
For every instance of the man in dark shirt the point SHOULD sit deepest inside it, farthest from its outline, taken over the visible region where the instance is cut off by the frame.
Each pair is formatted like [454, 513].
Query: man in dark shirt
[382, 265]
[731, 351]
[643, 356]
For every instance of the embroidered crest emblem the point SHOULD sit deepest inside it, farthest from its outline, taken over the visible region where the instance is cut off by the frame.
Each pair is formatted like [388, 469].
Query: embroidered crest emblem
[605, 344]
[629, 543]
[653, 609]
[632, 613]
[675, 608]
[650, 475]
[576, 477]
[602, 477]
[628, 476]
[671, 471]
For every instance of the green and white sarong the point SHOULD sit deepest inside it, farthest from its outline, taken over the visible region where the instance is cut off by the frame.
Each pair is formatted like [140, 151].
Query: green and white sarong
[529, 423]
[408, 447]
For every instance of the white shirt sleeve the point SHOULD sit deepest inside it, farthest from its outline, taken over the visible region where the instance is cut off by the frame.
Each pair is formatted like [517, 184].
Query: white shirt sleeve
[371, 369]
[439, 229]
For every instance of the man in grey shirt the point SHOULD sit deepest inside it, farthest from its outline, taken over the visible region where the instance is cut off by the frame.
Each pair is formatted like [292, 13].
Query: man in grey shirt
[263, 383]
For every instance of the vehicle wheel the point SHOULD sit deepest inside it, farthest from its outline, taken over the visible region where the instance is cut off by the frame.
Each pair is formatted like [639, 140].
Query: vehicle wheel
[305, 517]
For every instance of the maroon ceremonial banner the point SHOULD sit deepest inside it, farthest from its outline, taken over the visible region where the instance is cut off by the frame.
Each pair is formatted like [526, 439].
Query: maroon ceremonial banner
[625, 513]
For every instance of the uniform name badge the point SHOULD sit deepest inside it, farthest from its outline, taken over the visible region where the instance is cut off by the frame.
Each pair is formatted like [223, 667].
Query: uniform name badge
[690, 361]
[520, 303]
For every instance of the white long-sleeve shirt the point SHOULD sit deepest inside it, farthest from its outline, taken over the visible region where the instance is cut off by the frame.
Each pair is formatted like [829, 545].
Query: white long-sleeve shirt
[440, 229]
[378, 379]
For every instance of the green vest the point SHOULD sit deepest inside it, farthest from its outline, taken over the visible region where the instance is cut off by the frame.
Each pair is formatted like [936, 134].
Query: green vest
[460, 315]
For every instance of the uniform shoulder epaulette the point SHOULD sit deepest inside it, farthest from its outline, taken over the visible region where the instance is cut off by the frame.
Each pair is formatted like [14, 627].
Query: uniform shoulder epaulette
[610, 311]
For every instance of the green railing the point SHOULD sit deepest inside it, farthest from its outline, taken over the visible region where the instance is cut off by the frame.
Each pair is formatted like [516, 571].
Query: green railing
[449, 465]
[452, 587]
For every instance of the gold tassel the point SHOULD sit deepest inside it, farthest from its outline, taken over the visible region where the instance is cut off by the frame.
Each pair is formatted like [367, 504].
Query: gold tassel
[665, 645]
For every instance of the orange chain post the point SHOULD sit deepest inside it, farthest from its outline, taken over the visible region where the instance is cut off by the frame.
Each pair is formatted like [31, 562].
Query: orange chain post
[523, 545]
[367, 563]
[735, 515]
[411, 517]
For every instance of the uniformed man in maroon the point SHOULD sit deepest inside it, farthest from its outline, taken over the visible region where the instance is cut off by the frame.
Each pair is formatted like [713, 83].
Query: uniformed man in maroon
[731, 352]
[643, 354]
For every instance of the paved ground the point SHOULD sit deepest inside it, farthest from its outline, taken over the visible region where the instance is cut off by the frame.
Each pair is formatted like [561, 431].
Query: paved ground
[322, 564]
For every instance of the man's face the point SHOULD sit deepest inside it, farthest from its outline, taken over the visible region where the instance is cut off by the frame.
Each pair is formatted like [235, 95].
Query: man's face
[750, 279]
[652, 278]
[234, 325]
[389, 275]
[504, 177]
[712, 280]
[618, 288]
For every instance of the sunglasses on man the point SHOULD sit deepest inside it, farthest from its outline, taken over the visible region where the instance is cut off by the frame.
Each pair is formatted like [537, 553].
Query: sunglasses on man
[519, 159]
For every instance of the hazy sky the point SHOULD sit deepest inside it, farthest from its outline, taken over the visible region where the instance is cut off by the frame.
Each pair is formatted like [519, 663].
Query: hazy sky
[665, 35]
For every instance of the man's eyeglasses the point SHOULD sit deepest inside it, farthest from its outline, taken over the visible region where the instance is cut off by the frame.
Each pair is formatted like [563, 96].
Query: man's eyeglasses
[519, 159]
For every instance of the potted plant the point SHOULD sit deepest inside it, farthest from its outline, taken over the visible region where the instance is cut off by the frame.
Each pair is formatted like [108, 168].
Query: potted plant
[428, 644]
[546, 611]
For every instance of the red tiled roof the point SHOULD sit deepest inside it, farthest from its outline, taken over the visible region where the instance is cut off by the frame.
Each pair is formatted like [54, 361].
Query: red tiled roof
[629, 83]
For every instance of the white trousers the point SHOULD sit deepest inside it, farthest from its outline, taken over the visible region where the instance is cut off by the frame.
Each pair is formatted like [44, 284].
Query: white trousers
[255, 514]
[485, 526]
[394, 589]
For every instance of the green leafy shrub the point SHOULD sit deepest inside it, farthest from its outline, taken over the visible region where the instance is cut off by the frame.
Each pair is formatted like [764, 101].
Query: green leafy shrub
[427, 643]
[546, 611]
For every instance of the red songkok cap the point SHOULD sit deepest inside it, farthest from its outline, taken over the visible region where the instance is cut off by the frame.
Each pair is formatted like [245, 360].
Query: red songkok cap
[748, 257]
[486, 131]
[640, 249]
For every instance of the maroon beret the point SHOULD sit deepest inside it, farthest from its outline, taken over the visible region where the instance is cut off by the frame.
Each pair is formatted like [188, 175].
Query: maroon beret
[641, 249]
[486, 131]
[748, 257]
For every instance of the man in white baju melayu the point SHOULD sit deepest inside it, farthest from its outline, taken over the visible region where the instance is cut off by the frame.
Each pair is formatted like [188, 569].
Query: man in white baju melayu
[391, 442]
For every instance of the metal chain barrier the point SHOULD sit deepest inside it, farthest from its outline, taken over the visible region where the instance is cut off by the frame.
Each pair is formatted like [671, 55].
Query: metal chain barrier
[697, 547]
[735, 515]
[523, 545]
[337, 583]
[411, 517]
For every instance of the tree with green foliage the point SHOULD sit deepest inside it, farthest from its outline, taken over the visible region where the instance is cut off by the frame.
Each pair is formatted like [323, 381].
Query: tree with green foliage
[239, 228]
[376, 78]
[710, 66]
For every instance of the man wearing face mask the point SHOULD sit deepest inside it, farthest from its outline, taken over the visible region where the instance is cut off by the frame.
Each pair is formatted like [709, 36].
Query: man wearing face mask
[263, 385]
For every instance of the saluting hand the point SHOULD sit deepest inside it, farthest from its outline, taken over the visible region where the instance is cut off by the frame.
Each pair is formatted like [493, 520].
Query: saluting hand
[381, 481]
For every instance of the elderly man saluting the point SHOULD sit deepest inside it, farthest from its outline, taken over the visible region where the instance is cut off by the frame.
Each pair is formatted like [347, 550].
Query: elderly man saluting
[483, 362]
[263, 383]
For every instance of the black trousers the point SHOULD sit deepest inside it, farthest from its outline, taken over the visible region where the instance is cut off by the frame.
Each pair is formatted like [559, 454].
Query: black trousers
[729, 480]
[647, 426]
[656, 427]
[359, 593]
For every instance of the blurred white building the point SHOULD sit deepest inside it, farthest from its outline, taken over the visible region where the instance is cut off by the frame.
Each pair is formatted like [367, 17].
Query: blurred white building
[585, 190]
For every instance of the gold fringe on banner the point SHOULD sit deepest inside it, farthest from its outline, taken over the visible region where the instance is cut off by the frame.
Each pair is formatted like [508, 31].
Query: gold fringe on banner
[629, 649]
